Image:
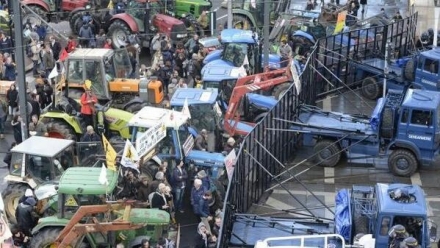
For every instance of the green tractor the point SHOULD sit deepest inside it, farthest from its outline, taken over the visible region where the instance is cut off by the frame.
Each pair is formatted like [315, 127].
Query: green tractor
[89, 216]
[36, 161]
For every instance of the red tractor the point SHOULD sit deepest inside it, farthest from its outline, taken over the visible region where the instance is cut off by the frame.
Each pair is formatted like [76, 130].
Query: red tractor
[51, 10]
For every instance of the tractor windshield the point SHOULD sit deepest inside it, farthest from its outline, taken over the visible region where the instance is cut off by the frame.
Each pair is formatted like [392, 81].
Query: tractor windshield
[203, 116]
[235, 53]
[121, 66]
[39, 168]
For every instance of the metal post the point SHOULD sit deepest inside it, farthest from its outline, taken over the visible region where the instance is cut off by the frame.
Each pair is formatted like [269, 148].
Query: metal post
[436, 17]
[21, 74]
[385, 69]
[230, 14]
[266, 32]
[213, 23]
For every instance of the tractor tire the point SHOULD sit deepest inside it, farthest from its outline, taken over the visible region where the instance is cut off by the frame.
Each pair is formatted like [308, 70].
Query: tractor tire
[134, 108]
[280, 90]
[41, 14]
[386, 128]
[118, 33]
[46, 237]
[60, 130]
[11, 195]
[402, 163]
[370, 88]
[74, 20]
[149, 169]
[409, 70]
[327, 153]
[240, 22]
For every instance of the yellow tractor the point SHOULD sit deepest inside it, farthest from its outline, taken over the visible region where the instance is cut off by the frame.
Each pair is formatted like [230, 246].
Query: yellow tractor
[109, 72]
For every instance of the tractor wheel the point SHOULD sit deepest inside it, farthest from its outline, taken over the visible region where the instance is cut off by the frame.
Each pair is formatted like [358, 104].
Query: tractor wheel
[409, 70]
[402, 163]
[387, 129]
[60, 130]
[11, 195]
[240, 22]
[119, 32]
[149, 169]
[280, 90]
[134, 108]
[327, 153]
[45, 238]
[35, 19]
[370, 88]
[74, 20]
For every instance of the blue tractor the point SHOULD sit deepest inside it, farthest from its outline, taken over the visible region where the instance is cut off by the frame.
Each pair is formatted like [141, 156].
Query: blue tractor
[402, 133]
[240, 56]
[419, 71]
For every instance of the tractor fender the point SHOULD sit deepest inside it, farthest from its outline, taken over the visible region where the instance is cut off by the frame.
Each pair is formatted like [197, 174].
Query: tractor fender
[156, 159]
[70, 120]
[404, 144]
[246, 14]
[15, 179]
[76, 10]
[132, 101]
[40, 3]
[51, 221]
[128, 19]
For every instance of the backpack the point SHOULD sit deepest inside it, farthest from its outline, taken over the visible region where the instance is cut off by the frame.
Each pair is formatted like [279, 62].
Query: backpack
[190, 67]
[29, 52]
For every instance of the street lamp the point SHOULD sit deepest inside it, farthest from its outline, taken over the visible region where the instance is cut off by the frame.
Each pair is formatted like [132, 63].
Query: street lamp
[437, 14]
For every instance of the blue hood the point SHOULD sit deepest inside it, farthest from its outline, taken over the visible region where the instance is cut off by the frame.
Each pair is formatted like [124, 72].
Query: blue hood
[305, 35]
[261, 101]
[214, 55]
[242, 126]
[203, 158]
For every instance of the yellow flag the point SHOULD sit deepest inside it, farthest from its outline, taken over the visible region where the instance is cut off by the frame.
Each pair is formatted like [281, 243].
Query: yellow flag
[340, 24]
[110, 154]
[110, 5]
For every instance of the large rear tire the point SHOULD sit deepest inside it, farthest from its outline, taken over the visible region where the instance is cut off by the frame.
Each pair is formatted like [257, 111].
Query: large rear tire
[74, 20]
[280, 90]
[35, 19]
[60, 130]
[402, 163]
[387, 128]
[119, 33]
[11, 195]
[370, 88]
[46, 237]
[327, 153]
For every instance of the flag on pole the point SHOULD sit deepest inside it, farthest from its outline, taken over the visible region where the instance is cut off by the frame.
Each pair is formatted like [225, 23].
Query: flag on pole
[130, 156]
[230, 161]
[185, 109]
[110, 154]
[103, 175]
[53, 73]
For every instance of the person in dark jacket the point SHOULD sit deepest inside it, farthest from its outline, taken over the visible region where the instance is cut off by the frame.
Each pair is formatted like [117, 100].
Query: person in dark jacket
[12, 99]
[9, 69]
[197, 193]
[32, 99]
[90, 135]
[16, 126]
[203, 237]
[26, 217]
[142, 191]
[8, 156]
[200, 142]
[159, 178]
[206, 181]
[178, 181]
[159, 199]
[86, 34]
[55, 46]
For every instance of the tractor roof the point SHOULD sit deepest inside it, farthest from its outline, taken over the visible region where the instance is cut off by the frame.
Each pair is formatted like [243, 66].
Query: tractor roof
[212, 73]
[42, 146]
[85, 181]
[238, 35]
[423, 99]
[151, 116]
[194, 96]
[83, 53]
[386, 205]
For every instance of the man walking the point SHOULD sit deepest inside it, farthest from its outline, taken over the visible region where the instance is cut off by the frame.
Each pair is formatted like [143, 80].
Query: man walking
[178, 181]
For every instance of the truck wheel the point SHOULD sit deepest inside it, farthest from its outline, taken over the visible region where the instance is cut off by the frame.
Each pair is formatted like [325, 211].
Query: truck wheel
[149, 169]
[327, 153]
[402, 163]
[370, 88]
[11, 195]
[119, 32]
[409, 70]
[279, 90]
[60, 130]
[386, 128]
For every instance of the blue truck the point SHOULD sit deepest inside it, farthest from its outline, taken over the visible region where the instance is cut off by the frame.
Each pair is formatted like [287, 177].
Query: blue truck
[402, 133]
[240, 56]
[361, 209]
[419, 71]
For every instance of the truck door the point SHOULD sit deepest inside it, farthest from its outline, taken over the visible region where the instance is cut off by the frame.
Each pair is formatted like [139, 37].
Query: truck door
[420, 129]
[382, 229]
[427, 73]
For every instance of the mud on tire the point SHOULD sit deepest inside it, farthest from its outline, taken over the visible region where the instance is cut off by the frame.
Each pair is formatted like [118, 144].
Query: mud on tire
[11, 195]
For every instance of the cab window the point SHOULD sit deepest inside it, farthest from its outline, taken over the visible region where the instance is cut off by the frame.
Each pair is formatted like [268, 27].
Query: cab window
[421, 117]
[93, 73]
[431, 66]
[75, 71]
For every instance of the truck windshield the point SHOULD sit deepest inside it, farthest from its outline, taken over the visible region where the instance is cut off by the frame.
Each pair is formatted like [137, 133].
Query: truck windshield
[235, 53]
[203, 116]
[121, 64]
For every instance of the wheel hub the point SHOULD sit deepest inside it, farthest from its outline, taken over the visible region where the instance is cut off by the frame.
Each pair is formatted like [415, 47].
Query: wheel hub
[325, 153]
[402, 164]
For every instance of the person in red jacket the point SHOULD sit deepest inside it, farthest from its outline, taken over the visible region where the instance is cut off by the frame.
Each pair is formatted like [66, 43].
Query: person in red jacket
[88, 101]
[71, 44]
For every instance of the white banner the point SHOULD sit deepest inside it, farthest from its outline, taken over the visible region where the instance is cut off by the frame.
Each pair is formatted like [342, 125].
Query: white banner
[230, 161]
[150, 139]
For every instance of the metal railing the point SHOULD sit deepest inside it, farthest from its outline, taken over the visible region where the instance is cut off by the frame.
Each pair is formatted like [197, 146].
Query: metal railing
[267, 144]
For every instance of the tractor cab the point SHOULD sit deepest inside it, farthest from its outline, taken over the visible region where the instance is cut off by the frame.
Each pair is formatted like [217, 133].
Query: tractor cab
[40, 158]
[91, 190]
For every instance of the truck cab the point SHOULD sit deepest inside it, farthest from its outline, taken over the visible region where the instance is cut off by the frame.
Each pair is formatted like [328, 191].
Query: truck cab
[171, 140]
[427, 70]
